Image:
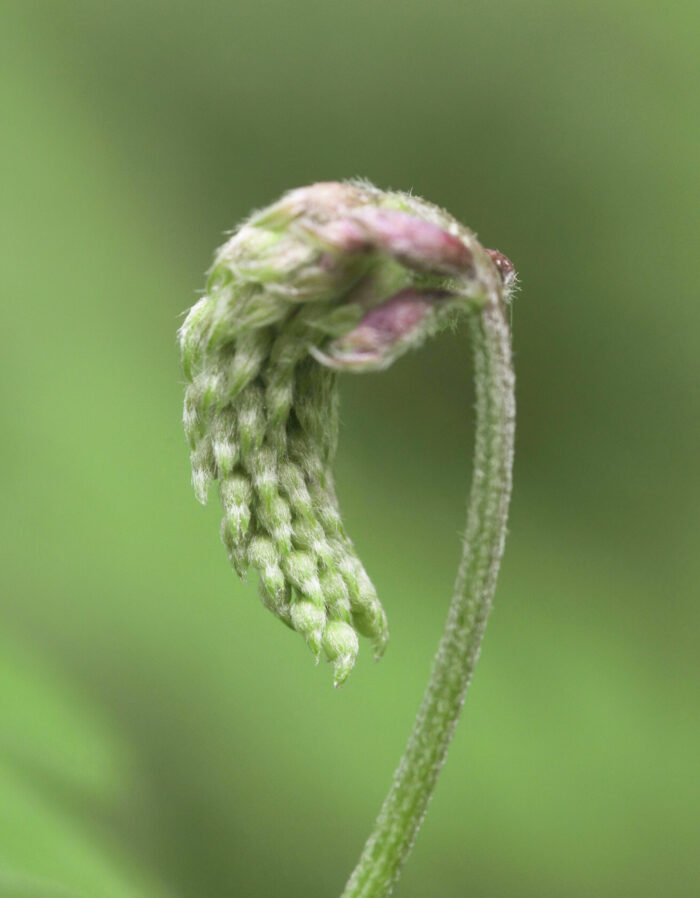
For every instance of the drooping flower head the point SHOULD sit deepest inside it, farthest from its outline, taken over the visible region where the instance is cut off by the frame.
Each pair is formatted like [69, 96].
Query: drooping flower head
[332, 277]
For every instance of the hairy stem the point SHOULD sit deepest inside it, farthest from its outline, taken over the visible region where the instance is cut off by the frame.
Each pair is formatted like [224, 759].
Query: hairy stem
[414, 782]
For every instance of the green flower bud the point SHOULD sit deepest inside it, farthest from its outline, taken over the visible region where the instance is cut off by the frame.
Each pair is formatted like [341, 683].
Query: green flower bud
[309, 620]
[341, 646]
[331, 277]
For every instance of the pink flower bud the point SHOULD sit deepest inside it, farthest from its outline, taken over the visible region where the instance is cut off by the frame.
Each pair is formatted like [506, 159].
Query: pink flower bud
[414, 242]
[386, 331]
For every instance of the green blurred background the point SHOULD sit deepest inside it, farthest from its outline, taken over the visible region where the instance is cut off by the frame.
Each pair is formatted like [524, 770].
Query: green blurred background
[160, 733]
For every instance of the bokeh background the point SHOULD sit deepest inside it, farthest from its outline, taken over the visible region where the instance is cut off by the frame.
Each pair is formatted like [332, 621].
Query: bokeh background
[160, 733]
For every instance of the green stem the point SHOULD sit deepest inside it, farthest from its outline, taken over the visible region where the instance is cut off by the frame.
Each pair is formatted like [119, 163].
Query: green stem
[414, 782]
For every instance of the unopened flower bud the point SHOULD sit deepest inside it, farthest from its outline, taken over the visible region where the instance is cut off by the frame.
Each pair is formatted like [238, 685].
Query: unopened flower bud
[341, 645]
[414, 242]
[386, 332]
[309, 620]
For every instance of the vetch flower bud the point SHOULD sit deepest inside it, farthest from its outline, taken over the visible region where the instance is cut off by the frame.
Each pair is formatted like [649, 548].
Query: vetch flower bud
[332, 277]
[414, 242]
[341, 646]
[400, 323]
[310, 620]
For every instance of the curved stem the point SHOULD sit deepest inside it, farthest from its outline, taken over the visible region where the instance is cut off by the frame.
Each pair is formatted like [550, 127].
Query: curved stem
[403, 810]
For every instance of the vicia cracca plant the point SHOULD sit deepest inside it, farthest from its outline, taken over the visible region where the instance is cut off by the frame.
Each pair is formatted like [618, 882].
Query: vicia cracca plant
[345, 277]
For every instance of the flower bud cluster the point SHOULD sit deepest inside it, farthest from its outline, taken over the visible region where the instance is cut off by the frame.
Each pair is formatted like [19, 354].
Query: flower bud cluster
[331, 277]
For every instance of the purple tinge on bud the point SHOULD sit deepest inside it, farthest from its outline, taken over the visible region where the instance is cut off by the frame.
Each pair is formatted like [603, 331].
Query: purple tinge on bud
[505, 267]
[344, 234]
[398, 315]
[416, 243]
[321, 202]
[385, 331]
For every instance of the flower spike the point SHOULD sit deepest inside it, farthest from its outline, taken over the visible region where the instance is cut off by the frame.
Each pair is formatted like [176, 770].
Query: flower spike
[344, 277]
[332, 277]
